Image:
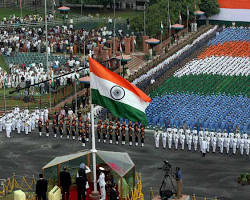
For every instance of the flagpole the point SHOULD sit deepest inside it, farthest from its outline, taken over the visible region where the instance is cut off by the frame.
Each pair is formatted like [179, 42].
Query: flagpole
[75, 92]
[187, 18]
[93, 150]
[169, 21]
[114, 30]
[144, 18]
[4, 83]
[47, 56]
[161, 35]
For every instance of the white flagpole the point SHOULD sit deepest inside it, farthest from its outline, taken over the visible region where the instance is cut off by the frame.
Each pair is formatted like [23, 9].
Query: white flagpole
[47, 56]
[4, 83]
[93, 150]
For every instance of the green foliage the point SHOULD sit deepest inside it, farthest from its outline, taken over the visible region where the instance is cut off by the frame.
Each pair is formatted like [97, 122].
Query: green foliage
[3, 64]
[159, 12]
[210, 7]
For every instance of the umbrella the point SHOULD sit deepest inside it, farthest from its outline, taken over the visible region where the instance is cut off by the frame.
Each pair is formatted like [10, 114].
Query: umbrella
[198, 13]
[64, 8]
[152, 41]
[177, 26]
[124, 58]
[84, 79]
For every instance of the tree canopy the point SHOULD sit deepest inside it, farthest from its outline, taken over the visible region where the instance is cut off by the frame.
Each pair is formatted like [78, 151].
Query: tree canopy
[210, 7]
[159, 12]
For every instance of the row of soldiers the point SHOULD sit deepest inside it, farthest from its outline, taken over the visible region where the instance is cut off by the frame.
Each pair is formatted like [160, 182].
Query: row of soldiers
[204, 139]
[105, 130]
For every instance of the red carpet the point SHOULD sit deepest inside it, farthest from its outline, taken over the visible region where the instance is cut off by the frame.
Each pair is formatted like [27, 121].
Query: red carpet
[73, 193]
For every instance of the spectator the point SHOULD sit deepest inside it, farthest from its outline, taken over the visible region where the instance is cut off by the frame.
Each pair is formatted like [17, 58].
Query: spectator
[41, 188]
[65, 182]
[81, 181]
[113, 193]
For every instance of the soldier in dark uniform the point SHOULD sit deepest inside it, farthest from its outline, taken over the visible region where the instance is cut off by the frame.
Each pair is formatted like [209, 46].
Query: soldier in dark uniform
[110, 134]
[68, 127]
[80, 124]
[130, 135]
[136, 135]
[87, 129]
[83, 137]
[47, 127]
[40, 126]
[54, 127]
[142, 136]
[136, 126]
[130, 124]
[104, 131]
[61, 128]
[73, 128]
[79, 113]
[117, 134]
[118, 124]
[123, 132]
[99, 128]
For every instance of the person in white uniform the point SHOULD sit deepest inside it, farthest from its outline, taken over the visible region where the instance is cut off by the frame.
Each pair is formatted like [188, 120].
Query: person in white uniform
[182, 141]
[242, 142]
[203, 147]
[195, 141]
[170, 138]
[234, 145]
[164, 139]
[227, 142]
[189, 141]
[8, 125]
[102, 183]
[157, 138]
[214, 141]
[176, 140]
[247, 145]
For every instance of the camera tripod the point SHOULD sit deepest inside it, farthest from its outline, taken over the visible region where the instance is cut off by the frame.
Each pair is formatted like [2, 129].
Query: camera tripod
[167, 188]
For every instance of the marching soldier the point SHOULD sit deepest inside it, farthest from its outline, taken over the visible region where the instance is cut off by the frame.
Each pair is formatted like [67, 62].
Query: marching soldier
[136, 126]
[129, 124]
[87, 129]
[83, 136]
[99, 128]
[110, 133]
[40, 126]
[73, 130]
[117, 133]
[157, 138]
[123, 132]
[142, 136]
[130, 135]
[104, 131]
[47, 127]
[111, 123]
[68, 127]
[61, 128]
[118, 124]
[136, 135]
[55, 127]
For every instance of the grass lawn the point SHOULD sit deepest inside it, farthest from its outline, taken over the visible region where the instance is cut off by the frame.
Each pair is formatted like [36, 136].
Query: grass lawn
[3, 64]
[6, 12]
[124, 14]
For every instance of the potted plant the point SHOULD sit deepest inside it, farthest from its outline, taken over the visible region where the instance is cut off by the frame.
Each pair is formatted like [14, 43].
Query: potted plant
[239, 180]
[248, 178]
[244, 181]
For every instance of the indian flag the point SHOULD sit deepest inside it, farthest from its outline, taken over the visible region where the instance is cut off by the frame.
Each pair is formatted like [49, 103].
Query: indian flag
[134, 42]
[111, 91]
[233, 10]
[51, 77]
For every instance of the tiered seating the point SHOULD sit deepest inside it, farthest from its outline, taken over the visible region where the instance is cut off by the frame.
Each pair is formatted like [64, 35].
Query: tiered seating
[231, 34]
[213, 112]
[228, 66]
[28, 58]
[205, 85]
[212, 89]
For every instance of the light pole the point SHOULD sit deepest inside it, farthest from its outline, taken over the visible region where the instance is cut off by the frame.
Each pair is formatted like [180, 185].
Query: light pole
[144, 18]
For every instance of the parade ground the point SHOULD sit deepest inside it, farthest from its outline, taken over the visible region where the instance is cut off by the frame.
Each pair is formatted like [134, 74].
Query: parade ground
[214, 175]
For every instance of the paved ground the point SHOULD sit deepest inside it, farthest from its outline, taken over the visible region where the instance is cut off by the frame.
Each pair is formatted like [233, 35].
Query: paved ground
[214, 175]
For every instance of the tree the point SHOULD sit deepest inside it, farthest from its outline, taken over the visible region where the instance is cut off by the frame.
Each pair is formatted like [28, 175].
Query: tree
[210, 7]
[159, 12]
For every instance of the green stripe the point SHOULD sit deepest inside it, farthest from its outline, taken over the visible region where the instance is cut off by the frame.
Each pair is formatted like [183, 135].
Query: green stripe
[118, 109]
[205, 85]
